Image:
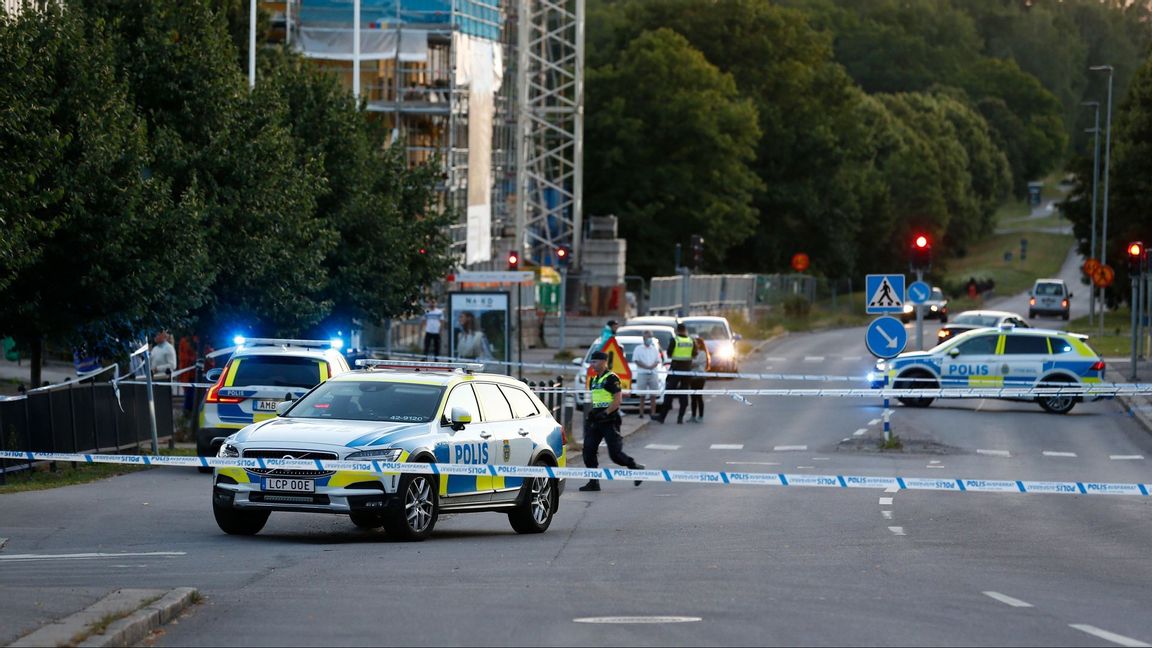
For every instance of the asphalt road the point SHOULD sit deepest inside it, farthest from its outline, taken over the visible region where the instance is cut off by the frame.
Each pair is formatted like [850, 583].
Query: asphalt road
[743, 565]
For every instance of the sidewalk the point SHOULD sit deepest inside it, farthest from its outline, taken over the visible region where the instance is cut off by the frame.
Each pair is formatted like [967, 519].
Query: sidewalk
[53, 371]
[1138, 407]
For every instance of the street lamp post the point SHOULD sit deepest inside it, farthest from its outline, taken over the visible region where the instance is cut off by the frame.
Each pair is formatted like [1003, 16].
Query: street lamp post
[1095, 184]
[1107, 168]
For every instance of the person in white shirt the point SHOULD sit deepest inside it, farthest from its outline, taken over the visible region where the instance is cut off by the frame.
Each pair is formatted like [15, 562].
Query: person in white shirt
[163, 357]
[433, 322]
[646, 361]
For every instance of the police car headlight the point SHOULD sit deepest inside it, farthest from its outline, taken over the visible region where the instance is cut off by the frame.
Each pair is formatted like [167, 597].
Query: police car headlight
[387, 454]
[908, 308]
[881, 366]
[228, 451]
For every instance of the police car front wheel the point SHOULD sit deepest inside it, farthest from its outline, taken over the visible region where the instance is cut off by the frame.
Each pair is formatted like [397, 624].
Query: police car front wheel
[419, 508]
[916, 380]
[237, 522]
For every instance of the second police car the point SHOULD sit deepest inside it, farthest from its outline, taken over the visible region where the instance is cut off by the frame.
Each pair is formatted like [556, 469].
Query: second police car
[1001, 357]
[398, 412]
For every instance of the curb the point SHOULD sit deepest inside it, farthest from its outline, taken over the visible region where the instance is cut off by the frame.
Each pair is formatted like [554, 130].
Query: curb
[1138, 409]
[146, 609]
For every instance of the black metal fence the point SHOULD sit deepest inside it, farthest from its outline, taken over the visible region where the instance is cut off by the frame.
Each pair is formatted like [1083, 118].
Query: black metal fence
[561, 409]
[82, 417]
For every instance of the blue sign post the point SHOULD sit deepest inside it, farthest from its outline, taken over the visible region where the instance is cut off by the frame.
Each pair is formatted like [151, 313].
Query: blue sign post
[886, 337]
[919, 292]
[884, 293]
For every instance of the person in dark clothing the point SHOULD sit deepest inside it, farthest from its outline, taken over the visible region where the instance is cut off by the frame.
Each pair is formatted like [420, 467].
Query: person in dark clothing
[682, 352]
[700, 365]
[602, 422]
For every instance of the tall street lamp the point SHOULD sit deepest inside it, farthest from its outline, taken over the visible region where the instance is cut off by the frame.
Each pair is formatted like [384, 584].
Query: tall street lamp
[1095, 130]
[1107, 168]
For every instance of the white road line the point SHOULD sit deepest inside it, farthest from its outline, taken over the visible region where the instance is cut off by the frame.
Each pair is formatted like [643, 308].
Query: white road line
[776, 359]
[85, 556]
[805, 467]
[727, 446]
[3, 541]
[897, 530]
[994, 453]
[887, 514]
[860, 432]
[752, 463]
[852, 358]
[885, 501]
[1007, 600]
[821, 459]
[892, 489]
[1108, 636]
[1049, 453]
[933, 466]
[1112, 457]
[813, 358]
[659, 446]
[788, 448]
[934, 461]
[873, 421]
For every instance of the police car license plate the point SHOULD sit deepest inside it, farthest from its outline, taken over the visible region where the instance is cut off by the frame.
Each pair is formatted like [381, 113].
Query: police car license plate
[266, 405]
[289, 484]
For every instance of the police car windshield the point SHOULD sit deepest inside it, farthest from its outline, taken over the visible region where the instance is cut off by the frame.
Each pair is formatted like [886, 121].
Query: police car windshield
[367, 400]
[977, 320]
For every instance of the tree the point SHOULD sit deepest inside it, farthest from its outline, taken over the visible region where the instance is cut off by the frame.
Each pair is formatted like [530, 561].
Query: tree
[672, 140]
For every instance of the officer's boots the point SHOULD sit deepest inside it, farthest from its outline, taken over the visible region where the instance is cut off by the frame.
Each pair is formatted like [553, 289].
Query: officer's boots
[592, 485]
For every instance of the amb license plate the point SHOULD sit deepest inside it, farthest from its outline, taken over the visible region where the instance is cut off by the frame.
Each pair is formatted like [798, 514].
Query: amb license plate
[266, 405]
[289, 484]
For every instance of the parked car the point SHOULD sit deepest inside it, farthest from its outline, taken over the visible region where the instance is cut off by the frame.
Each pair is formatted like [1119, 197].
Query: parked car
[935, 308]
[1049, 297]
[974, 319]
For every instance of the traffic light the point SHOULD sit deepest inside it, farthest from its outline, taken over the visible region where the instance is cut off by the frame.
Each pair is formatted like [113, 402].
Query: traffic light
[1135, 257]
[563, 256]
[921, 258]
[697, 243]
[513, 260]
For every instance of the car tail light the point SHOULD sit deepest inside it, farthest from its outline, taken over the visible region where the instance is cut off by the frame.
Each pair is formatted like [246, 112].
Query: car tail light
[214, 393]
[1098, 366]
[1064, 304]
[1032, 301]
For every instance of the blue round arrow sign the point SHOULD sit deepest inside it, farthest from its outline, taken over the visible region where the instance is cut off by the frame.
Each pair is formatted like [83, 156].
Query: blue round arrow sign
[919, 292]
[886, 337]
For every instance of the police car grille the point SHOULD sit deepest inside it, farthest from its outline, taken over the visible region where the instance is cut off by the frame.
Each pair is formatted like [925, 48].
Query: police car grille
[268, 498]
[295, 454]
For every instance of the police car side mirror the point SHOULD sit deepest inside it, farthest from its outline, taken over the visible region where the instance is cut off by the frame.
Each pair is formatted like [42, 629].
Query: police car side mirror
[953, 352]
[460, 418]
[577, 361]
[283, 407]
[213, 374]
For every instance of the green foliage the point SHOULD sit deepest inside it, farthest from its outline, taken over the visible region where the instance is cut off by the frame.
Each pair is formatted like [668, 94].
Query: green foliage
[672, 141]
[797, 307]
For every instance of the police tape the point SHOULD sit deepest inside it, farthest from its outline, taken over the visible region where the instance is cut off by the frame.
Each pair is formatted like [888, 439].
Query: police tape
[725, 478]
[1007, 393]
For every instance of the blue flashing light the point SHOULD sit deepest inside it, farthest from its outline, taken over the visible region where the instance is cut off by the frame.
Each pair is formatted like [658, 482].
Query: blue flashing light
[337, 343]
[238, 340]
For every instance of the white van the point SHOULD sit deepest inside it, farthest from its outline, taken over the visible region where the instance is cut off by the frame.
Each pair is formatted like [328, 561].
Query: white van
[1049, 297]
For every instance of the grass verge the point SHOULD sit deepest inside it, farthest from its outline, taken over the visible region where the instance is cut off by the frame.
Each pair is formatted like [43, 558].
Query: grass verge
[1117, 338]
[987, 260]
[70, 474]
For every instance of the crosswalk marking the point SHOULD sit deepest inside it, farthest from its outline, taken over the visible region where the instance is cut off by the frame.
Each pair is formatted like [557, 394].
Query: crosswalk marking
[727, 446]
[813, 358]
[789, 448]
[659, 446]
[1126, 457]
[1049, 453]
[1007, 600]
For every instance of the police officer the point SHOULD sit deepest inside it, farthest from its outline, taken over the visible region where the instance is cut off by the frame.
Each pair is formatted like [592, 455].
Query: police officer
[602, 422]
[683, 350]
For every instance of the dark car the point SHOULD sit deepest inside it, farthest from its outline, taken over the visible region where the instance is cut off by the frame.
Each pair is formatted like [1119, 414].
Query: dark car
[974, 319]
[935, 308]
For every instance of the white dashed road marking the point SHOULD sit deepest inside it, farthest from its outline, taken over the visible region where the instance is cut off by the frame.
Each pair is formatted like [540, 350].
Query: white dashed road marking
[775, 359]
[873, 421]
[658, 446]
[852, 358]
[638, 619]
[1049, 453]
[892, 489]
[1125, 457]
[813, 358]
[1108, 636]
[897, 530]
[994, 453]
[789, 448]
[887, 514]
[860, 432]
[1007, 600]
[821, 459]
[885, 501]
[86, 556]
[727, 446]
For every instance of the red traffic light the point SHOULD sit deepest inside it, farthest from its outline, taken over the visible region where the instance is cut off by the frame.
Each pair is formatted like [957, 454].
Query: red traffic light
[1135, 249]
[513, 261]
[920, 241]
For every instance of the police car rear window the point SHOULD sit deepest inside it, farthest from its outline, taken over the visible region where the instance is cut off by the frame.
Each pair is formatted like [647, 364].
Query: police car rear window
[277, 371]
[1026, 345]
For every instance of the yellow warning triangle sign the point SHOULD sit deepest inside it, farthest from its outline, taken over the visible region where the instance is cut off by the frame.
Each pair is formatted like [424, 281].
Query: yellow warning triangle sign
[617, 363]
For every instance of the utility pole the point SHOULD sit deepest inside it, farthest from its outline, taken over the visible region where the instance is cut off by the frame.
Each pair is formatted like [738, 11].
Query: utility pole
[1095, 185]
[1107, 173]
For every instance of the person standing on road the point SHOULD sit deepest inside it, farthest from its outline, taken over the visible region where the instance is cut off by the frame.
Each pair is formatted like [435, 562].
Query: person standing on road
[700, 365]
[683, 351]
[433, 322]
[646, 360]
[603, 421]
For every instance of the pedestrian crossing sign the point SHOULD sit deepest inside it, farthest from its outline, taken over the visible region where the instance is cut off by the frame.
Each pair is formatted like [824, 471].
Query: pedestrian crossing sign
[885, 293]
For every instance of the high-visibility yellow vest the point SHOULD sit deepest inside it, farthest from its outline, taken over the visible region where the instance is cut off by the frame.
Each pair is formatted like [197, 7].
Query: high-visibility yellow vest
[601, 398]
[682, 349]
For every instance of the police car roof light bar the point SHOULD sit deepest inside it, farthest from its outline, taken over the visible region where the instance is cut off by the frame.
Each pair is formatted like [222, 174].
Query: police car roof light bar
[413, 365]
[250, 342]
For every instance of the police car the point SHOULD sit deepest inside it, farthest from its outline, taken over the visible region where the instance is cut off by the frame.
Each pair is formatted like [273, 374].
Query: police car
[398, 412]
[1001, 357]
[262, 373]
